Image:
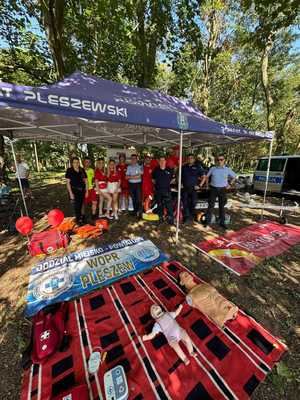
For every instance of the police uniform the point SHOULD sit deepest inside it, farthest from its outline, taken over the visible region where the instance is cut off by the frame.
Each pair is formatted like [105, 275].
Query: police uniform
[163, 178]
[190, 178]
[218, 183]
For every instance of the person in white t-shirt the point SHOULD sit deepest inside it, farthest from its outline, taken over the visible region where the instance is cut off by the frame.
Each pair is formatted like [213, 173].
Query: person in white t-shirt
[23, 172]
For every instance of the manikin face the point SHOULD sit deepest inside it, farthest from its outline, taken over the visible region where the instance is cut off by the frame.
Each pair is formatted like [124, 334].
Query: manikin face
[185, 278]
[156, 311]
[86, 163]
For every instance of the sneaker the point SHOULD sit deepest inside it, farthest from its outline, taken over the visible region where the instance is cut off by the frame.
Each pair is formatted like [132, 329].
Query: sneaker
[101, 215]
[116, 216]
[109, 216]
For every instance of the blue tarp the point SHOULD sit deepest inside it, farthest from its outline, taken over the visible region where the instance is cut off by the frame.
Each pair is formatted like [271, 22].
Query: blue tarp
[84, 108]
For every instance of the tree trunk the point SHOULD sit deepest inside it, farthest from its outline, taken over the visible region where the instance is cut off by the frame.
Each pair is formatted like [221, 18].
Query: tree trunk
[53, 21]
[265, 82]
[280, 134]
[141, 43]
[213, 27]
[3, 160]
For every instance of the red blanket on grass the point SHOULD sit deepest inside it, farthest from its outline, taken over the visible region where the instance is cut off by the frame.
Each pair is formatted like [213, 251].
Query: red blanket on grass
[230, 363]
[242, 250]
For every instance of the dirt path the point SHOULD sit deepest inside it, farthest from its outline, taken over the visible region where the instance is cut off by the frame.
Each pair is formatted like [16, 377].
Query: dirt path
[270, 293]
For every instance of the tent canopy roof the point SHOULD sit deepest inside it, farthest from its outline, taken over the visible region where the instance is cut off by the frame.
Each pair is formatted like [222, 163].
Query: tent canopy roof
[87, 109]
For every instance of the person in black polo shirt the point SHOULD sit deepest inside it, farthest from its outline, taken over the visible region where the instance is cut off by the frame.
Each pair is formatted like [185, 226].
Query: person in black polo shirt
[77, 187]
[191, 172]
[162, 177]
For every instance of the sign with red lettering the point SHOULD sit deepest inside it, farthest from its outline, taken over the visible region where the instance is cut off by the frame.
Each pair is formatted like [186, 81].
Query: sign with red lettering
[240, 251]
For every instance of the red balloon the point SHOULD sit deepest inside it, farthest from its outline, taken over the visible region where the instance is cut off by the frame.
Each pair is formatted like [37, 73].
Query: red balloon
[24, 225]
[55, 217]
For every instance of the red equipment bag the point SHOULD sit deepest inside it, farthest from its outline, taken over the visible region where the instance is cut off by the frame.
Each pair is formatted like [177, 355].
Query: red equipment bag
[47, 242]
[75, 393]
[48, 333]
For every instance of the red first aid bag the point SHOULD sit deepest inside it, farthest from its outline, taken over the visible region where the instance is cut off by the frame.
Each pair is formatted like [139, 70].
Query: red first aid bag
[75, 393]
[47, 242]
[48, 333]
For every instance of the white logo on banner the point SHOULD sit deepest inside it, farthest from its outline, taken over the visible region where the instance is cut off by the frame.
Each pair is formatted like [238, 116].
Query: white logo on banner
[146, 253]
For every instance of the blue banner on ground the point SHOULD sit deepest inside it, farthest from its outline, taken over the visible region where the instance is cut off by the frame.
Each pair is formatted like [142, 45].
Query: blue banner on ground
[58, 279]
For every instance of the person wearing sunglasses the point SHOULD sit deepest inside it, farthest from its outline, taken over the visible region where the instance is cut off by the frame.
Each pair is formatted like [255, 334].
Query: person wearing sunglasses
[221, 179]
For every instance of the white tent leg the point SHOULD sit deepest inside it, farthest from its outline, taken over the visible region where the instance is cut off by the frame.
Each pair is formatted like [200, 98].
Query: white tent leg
[267, 179]
[179, 188]
[19, 180]
[36, 157]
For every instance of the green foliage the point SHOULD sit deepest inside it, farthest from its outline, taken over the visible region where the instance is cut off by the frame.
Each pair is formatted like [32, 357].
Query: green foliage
[209, 52]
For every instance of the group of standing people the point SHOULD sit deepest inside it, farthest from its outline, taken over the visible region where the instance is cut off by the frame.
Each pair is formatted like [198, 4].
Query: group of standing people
[115, 184]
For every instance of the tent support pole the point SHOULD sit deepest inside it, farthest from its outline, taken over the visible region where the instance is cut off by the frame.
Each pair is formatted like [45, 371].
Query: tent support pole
[36, 157]
[18, 176]
[179, 187]
[267, 179]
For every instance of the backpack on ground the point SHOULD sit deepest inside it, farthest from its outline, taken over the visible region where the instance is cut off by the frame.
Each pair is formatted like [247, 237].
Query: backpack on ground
[47, 242]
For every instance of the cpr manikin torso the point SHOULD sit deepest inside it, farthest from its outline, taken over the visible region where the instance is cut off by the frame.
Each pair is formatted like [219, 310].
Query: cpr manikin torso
[206, 299]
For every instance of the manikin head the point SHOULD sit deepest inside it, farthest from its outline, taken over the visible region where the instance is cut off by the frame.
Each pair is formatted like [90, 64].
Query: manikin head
[186, 279]
[156, 311]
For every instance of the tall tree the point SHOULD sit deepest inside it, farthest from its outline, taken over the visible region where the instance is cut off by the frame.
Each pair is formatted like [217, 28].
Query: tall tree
[272, 18]
[204, 30]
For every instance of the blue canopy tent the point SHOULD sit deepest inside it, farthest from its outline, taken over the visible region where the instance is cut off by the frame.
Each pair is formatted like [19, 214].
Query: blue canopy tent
[87, 109]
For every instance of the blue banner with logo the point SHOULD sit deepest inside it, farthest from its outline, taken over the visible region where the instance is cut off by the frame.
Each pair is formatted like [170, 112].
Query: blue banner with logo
[58, 279]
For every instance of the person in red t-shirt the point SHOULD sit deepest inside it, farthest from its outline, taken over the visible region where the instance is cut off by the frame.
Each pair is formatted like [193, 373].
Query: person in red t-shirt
[114, 186]
[147, 184]
[154, 163]
[124, 195]
[101, 188]
[173, 158]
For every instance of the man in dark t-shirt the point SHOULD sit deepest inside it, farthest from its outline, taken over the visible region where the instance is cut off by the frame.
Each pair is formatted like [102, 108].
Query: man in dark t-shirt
[77, 187]
[191, 173]
[162, 177]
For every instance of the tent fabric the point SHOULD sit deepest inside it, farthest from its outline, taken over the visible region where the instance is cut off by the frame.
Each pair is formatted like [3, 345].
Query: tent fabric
[87, 109]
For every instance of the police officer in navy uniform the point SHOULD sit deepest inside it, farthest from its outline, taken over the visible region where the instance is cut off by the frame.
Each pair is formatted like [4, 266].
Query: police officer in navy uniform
[162, 177]
[191, 172]
[221, 179]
